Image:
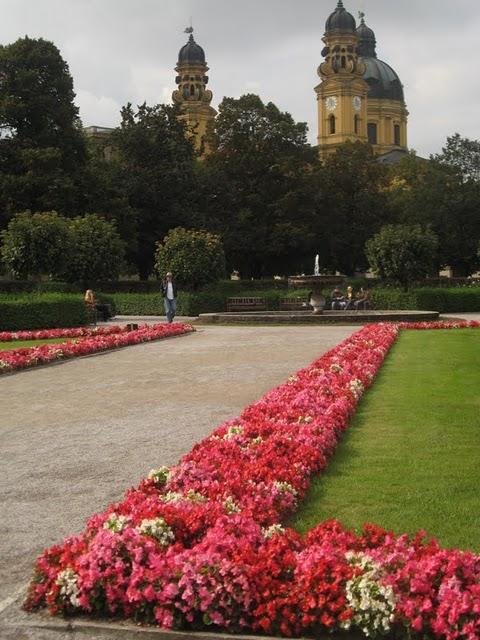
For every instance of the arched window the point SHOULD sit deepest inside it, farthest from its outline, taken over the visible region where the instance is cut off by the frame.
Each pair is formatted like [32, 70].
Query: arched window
[192, 90]
[331, 124]
[372, 132]
[344, 62]
[396, 134]
[356, 124]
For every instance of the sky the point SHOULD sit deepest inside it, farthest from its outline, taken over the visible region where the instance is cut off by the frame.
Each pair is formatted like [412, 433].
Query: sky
[123, 51]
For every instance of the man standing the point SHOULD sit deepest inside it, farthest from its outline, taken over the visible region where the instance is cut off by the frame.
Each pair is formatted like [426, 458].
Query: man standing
[169, 293]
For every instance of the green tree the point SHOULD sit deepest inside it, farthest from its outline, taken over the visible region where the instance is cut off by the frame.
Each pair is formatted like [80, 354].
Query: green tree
[351, 205]
[402, 253]
[462, 155]
[36, 245]
[42, 147]
[195, 257]
[157, 170]
[255, 188]
[97, 252]
[437, 195]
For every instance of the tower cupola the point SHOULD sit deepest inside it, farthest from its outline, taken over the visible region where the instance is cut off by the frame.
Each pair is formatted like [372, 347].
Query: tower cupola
[340, 20]
[191, 52]
[192, 95]
[366, 39]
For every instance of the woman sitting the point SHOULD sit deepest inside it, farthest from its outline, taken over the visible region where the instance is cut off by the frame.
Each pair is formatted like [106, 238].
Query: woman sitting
[95, 307]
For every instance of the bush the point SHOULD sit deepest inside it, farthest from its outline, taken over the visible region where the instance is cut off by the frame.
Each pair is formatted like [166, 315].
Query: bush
[36, 245]
[45, 311]
[194, 257]
[97, 252]
[403, 253]
[429, 299]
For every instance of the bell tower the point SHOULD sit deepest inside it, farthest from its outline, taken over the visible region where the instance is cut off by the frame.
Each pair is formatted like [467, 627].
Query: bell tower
[192, 94]
[342, 92]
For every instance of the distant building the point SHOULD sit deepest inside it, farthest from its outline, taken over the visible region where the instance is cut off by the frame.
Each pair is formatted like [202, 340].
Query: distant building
[192, 94]
[359, 97]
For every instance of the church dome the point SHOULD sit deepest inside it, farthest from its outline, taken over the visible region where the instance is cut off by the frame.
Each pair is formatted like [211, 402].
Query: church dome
[191, 53]
[382, 79]
[340, 20]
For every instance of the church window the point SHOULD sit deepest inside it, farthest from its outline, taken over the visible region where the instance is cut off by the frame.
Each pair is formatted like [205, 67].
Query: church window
[331, 122]
[356, 124]
[396, 134]
[372, 132]
[192, 90]
[344, 62]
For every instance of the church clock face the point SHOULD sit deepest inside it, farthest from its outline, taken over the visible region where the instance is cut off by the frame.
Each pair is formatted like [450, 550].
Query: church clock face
[331, 103]
[357, 103]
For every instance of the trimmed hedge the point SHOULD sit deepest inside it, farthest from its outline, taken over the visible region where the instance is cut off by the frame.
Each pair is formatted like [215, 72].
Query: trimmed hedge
[429, 299]
[45, 311]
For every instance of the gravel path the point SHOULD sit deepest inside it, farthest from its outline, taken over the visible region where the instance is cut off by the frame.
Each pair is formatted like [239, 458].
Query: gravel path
[74, 436]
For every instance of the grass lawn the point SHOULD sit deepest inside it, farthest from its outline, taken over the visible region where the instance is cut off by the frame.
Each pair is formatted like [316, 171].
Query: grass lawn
[410, 459]
[16, 344]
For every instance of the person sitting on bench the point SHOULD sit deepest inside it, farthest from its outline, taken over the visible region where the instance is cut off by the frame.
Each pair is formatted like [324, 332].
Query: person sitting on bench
[338, 300]
[94, 306]
[363, 301]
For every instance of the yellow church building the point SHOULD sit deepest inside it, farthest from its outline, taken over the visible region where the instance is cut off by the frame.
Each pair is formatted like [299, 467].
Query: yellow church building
[360, 97]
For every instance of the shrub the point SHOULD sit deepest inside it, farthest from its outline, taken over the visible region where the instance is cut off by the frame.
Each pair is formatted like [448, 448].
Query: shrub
[194, 257]
[36, 245]
[403, 253]
[45, 311]
[98, 252]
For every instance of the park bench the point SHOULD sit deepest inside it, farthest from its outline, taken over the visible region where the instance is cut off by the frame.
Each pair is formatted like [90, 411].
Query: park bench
[246, 304]
[294, 304]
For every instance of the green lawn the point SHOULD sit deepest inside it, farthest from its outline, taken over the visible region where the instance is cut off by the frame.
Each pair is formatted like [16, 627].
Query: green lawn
[16, 344]
[410, 459]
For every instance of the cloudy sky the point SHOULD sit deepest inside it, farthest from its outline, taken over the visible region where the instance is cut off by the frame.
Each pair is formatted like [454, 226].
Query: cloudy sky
[125, 50]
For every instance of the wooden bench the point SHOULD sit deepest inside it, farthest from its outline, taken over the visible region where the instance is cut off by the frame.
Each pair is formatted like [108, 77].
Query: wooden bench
[294, 304]
[246, 304]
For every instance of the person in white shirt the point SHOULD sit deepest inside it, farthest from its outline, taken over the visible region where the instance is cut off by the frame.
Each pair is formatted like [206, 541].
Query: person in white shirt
[169, 293]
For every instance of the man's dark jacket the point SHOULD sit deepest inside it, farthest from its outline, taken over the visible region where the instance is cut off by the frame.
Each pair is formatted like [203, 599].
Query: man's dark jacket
[164, 288]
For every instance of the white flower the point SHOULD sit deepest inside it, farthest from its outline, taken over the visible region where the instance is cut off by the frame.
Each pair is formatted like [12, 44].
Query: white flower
[160, 476]
[230, 505]
[234, 430]
[67, 581]
[356, 387]
[336, 368]
[273, 529]
[284, 487]
[372, 602]
[158, 529]
[115, 523]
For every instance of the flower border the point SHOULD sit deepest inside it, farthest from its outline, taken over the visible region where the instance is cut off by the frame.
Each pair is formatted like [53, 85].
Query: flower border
[201, 543]
[85, 342]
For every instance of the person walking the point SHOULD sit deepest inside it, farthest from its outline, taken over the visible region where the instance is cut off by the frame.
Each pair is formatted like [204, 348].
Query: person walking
[169, 293]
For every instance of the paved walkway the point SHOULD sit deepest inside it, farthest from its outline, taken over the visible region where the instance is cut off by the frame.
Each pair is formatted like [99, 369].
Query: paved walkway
[75, 436]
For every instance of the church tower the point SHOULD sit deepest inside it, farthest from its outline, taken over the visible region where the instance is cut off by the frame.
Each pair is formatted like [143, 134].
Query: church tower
[342, 93]
[192, 94]
[360, 97]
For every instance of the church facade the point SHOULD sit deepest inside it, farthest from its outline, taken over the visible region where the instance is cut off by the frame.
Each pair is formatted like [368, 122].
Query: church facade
[360, 97]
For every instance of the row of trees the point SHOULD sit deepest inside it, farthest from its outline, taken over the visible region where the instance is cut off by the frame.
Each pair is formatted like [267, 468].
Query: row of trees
[262, 189]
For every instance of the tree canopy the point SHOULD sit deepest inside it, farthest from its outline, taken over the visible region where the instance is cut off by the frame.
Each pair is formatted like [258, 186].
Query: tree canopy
[42, 147]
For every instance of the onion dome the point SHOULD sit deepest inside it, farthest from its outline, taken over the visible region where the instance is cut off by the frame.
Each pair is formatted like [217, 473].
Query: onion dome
[366, 39]
[340, 20]
[191, 53]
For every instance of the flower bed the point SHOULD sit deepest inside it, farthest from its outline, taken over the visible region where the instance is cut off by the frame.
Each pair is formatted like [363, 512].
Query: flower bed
[83, 342]
[202, 543]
